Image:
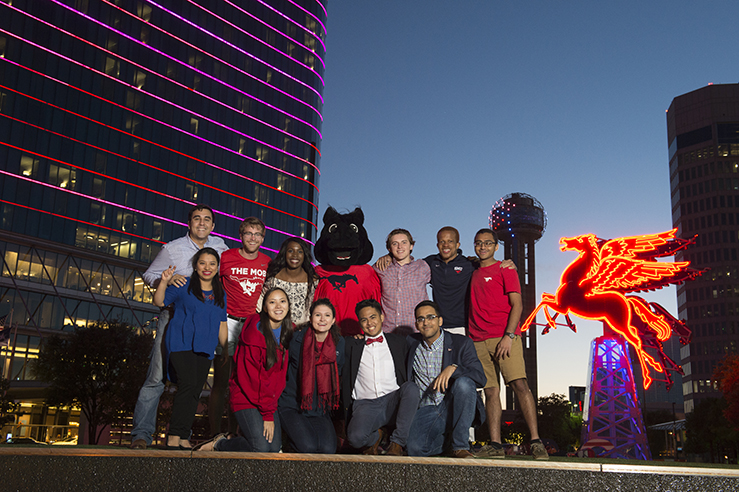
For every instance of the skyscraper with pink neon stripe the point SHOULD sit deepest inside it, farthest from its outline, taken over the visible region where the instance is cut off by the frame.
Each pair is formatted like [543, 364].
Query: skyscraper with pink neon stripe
[116, 116]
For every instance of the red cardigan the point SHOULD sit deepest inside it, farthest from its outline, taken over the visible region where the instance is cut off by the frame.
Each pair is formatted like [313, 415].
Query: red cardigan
[251, 385]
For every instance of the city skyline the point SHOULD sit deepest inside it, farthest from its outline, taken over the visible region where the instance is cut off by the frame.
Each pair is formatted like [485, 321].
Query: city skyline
[432, 113]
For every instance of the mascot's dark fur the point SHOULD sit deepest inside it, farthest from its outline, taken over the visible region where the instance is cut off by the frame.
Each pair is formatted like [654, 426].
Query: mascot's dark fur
[343, 251]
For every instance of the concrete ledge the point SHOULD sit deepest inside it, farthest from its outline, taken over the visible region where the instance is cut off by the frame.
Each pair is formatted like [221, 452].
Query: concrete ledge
[105, 469]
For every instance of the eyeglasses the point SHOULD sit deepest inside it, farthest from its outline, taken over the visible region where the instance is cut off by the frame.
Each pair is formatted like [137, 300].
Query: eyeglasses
[255, 235]
[429, 318]
[489, 244]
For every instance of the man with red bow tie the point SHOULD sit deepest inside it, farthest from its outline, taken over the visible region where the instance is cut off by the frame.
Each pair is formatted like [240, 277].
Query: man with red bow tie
[376, 390]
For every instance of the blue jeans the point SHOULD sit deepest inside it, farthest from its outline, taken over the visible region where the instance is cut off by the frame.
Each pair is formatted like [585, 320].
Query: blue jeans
[252, 426]
[433, 423]
[145, 413]
[398, 408]
[308, 433]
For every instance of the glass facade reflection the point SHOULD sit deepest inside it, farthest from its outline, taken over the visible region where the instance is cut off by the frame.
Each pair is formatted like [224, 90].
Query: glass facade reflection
[117, 116]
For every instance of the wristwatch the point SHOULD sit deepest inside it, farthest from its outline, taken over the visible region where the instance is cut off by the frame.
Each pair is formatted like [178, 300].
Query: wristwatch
[512, 336]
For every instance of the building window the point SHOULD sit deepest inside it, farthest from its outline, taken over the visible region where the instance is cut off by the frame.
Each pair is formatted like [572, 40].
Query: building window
[132, 123]
[191, 191]
[112, 67]
[62, 176]
[98, 188]
[29, 166]
[144, 11]
[81, 5]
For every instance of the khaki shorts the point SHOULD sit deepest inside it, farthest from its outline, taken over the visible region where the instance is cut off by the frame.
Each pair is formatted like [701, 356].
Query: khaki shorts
[511, 368]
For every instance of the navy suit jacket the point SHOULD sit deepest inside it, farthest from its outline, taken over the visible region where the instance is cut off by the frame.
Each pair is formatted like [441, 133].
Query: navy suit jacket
[459, 350]
[353, 350]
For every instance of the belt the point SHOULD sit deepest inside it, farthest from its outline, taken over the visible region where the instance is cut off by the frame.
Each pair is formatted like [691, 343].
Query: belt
[236, 318]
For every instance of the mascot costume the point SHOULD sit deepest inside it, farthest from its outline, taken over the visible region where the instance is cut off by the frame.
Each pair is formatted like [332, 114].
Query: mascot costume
[343, 251]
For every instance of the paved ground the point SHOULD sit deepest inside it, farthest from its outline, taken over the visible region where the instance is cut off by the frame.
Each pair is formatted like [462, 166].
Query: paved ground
[90, 468]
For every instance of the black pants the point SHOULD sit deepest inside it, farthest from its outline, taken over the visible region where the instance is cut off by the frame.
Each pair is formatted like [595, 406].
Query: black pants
[190, 370]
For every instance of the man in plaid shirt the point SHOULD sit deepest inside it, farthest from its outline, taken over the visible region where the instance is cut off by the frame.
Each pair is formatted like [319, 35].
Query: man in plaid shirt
[404, 283]
[447, 371]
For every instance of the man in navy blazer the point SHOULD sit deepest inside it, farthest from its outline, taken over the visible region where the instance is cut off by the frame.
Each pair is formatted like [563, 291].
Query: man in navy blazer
[447, 371]
[376, 391]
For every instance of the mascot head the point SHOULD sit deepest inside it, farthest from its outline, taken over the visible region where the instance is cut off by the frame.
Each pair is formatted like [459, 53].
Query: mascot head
[343, 240]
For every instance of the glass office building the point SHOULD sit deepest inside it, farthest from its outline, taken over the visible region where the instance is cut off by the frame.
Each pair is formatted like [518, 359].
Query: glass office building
[703, 139]
[116, 117]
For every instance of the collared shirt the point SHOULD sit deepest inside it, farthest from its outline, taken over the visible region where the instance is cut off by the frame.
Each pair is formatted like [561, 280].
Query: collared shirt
[403, 287]
[489, 305]
[179, 253]
[450, 283]
[426, 367]
[376, 375]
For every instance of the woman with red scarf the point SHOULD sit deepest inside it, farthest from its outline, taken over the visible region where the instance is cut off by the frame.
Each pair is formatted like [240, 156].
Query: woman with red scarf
[313, 384]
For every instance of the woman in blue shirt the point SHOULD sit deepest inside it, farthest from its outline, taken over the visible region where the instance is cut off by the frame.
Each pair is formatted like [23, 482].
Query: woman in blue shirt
[197, 326]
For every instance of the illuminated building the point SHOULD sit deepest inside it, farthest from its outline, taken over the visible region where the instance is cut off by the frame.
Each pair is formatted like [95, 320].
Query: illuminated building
[520, 221]
[116, 116]
[703, 140]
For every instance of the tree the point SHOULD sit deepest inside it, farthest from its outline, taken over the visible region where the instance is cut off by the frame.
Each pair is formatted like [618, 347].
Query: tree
[708, 431]
[727, 377]
[7, 406]
[99, 368]
[557, 422]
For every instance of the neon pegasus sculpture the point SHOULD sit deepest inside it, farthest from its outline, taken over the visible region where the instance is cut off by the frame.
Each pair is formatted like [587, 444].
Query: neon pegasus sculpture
[594, 285]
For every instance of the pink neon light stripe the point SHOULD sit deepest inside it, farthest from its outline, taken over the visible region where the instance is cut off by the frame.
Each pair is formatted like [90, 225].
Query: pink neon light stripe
[248, 14]
[312, 15]
[134, 40]
[178, 84]
[149, 142]
[120, 156]
[219, 60]
[143, 115]
[112, 204]
[310, 70]
[170, 103]
[289, 19]
[322, 8]
[186, 21]
[81, 221]
[139, 186]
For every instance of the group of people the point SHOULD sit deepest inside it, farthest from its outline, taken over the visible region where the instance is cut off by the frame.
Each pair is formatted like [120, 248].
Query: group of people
[406, 385]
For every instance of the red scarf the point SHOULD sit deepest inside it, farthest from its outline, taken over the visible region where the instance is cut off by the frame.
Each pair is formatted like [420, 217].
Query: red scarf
[318, 368]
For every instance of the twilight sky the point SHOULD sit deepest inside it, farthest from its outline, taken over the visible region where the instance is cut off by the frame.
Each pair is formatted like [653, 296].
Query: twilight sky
[435, 109]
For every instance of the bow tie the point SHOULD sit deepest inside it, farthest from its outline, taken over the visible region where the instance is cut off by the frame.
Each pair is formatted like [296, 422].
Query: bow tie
[370, 341]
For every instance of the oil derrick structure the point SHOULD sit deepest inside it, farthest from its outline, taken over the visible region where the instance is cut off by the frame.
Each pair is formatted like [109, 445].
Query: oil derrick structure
[520, 220]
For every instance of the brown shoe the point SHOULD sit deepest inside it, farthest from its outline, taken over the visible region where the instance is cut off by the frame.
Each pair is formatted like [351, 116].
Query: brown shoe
[138, 444]
[488, 451]
[375, 448]
[539, 451]
[395, 449]
[462, 453]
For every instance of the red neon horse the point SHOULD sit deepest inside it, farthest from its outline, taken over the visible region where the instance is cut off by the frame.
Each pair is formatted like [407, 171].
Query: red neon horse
[593, 287]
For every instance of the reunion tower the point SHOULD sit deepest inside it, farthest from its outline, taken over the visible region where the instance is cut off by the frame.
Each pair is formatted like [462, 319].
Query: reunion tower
[520, 220]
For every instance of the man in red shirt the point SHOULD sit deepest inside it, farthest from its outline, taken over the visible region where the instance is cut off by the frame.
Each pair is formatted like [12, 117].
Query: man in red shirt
[495, 310]
[242, 272]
